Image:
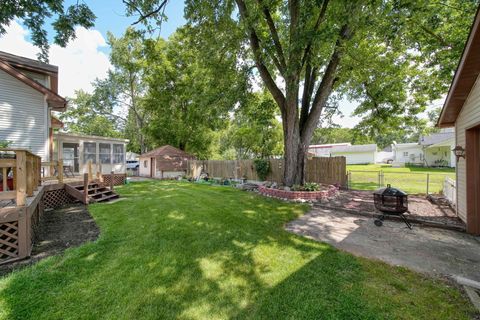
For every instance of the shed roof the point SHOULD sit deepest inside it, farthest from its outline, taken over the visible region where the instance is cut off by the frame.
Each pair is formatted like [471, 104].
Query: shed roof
[167, 150]
[467, 73]
[355, 148]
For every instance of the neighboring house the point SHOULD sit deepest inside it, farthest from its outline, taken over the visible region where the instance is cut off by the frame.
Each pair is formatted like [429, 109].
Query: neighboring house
[407, 153]
[28, 96]
[437, 149]
[356, 154]
[323, 150]
[462, 111]
[434, 150]
[164, 162]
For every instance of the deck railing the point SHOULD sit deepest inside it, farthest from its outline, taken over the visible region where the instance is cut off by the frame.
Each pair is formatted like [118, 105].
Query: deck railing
[52, 170]
[20, 171]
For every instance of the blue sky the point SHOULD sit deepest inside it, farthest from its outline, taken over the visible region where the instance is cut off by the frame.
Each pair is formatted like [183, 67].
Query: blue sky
[111, 17]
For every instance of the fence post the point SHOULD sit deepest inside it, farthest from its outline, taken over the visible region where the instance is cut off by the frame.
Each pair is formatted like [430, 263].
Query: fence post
[428, 182]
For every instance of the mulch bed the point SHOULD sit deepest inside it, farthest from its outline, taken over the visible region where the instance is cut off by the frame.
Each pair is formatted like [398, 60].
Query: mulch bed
[419, 207]
[57, 231]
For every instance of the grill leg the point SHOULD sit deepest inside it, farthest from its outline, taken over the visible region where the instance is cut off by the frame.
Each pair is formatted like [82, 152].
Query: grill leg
[409, 225]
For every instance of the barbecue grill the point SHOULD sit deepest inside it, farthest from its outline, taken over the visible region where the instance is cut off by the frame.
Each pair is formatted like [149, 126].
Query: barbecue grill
[391, 201]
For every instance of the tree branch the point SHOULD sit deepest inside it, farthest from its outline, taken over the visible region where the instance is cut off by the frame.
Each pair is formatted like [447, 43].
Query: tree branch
[326, 85]
[320, 19]
[274, 34]
[144, 16]
[262, 69]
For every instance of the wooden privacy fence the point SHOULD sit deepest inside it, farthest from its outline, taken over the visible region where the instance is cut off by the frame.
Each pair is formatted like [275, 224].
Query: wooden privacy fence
[329, 170]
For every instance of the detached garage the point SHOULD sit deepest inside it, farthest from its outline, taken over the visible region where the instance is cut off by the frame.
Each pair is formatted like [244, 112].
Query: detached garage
[356, 154]
[164, 162]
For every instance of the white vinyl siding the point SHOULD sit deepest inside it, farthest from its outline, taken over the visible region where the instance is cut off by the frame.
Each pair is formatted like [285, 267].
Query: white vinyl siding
[23, 116]
[468, 117]
[356, 157]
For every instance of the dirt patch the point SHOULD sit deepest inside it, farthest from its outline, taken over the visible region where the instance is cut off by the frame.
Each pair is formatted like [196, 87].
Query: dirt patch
[58, 230]
[418, 207]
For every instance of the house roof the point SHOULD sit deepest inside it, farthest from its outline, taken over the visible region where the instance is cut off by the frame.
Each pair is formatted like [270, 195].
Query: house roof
[435, 138]
[27, 63]
[87, 137]
[54, 100]
[355, 148]
[328, 145]
[167, 150]
[465, 77]
[406, 145]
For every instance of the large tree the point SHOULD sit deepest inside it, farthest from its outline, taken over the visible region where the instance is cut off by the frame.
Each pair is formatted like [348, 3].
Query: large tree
[395, 56]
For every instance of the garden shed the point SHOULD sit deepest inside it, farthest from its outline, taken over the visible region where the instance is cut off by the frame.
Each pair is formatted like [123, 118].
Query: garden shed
[164, 162]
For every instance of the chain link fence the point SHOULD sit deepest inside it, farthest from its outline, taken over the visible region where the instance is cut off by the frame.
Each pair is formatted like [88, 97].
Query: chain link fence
[411, 182]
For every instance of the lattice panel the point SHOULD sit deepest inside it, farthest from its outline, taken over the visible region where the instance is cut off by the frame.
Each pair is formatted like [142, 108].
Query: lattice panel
[8, 240]
[56, 198]
[118, 179]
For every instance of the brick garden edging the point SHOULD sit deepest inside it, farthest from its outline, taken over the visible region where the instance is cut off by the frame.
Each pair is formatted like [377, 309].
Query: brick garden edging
[298, 195]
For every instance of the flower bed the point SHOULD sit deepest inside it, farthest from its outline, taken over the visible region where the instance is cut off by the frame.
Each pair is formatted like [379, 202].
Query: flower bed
[330, 192]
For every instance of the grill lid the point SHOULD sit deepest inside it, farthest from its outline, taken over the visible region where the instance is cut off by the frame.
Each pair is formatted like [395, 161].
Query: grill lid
[389, 191]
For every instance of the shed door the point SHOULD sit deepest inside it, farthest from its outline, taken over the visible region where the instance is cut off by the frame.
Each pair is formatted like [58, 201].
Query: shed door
[152, 167]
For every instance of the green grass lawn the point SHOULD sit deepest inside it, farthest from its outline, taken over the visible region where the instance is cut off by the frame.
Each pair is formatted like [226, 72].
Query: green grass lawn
[178, 250]
[410, 179]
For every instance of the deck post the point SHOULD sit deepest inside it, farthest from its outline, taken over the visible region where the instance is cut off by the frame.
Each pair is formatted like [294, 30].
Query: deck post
[90, 177]
[85, 188]
[21, 180]
[112, 174]
[22, 233]
[60, 171]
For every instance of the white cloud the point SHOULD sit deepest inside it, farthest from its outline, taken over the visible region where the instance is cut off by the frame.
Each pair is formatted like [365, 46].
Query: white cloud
[79, 63]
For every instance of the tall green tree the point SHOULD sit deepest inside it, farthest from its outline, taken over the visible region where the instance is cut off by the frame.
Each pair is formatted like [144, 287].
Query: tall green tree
[254, 132]
[188, 99]
[33, 14]
[83, 116]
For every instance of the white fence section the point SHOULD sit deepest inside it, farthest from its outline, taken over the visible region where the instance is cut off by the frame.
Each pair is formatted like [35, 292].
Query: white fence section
[449, 190]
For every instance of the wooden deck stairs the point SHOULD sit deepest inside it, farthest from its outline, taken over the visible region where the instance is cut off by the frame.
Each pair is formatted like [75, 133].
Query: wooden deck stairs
[96, 192]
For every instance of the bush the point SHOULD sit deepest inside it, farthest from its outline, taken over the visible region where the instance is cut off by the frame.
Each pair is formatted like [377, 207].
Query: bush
[262, 166]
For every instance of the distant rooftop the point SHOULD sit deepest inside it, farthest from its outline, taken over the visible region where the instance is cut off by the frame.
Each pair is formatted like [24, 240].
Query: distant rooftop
[355, 148]
[328, 145]
[436, 137]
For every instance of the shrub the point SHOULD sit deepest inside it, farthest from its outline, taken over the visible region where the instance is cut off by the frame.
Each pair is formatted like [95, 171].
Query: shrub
[4, 143]
[262, 166]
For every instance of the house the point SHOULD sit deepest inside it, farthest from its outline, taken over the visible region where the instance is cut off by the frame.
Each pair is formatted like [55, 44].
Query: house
[28, 96]
[407, 153]
[462, 111]
[164, 162]
[323, 150]
[434, 150]
[356, 154]
[437, 149]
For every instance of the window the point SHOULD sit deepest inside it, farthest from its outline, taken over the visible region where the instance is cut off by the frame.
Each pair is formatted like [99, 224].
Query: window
[145, 163]
[105, 153]
[89, 152]
[405, 154]
[118, 154]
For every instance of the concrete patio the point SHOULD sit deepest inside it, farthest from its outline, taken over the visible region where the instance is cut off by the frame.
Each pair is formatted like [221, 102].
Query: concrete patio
[423, 249]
